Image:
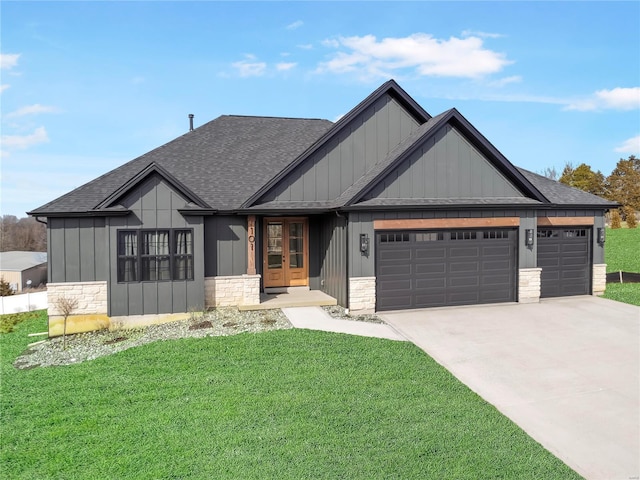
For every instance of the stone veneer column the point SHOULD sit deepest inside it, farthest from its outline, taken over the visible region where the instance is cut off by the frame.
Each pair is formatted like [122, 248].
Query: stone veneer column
[231, 291]
[599, 278]
[529, 285]
[362, 293]
[251, 290]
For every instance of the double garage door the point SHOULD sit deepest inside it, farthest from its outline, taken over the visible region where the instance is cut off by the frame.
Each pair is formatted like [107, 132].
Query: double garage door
[418, 269]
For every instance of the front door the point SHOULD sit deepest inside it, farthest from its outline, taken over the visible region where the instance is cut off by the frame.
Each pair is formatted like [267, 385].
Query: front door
[286, 252]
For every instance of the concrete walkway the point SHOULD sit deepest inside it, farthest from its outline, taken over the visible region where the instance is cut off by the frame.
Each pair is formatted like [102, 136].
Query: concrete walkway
[315, 318]
[565, 370]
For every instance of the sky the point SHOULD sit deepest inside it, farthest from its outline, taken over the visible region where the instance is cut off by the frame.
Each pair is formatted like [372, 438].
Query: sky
[87, 86]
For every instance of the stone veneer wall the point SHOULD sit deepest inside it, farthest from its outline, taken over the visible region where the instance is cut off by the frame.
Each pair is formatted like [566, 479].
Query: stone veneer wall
[599, 278]
[90, 312]
[529, 285]
[362, 293]
[228, 291]
[91, 297]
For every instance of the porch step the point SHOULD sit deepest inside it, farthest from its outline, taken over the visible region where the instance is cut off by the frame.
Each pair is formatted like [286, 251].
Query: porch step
[298, 298]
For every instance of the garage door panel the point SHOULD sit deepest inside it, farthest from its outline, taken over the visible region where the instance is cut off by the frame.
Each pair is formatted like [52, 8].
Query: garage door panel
[463, 252]
[392, 271]
[496, 280]
[435, 269]
[463, 298]
[564, 256]
[460, 268]
[496, 251]
[429, 283]
[502, 264]
[464, 282]
[387, 254]
[421, 253]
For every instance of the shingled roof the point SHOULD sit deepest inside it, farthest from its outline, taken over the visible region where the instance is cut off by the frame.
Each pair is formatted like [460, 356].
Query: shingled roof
[223, 162]
[226, 164]
[561, 194]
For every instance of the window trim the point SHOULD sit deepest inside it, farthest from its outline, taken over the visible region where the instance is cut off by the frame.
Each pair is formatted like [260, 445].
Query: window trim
[173, 255]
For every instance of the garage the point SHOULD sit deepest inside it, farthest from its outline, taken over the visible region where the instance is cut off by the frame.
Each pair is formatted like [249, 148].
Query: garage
[418, 269]
[563, 255]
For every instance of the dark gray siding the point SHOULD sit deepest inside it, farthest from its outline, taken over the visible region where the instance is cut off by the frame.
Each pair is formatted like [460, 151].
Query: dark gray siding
[225, 245]
[446, 166]
[363, 143]
[332, 249]
[155, 205]
[77, 250]
[362, 222]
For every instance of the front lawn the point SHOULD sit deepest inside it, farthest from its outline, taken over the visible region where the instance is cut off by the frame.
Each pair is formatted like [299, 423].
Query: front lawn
[288, 404]
[622, 252]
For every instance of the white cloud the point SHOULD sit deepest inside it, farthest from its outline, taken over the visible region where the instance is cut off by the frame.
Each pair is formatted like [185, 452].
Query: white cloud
[32, 110]
[4, 86]
[427, 56]
[306, 46]
[615, 99]
[284, 66]
[474, 33]
[632, 145]
[21, 142]
[501, 82]
[9, 60]
[294, 25]
[250, 68]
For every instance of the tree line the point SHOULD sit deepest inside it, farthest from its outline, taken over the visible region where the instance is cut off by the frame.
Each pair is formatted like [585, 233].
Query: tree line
[621, 186]
[24, 234]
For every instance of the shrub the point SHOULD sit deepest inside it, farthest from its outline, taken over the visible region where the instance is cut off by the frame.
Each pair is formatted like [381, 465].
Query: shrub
[7, 322]
[5, 288]
[616, 221]
[630, 216]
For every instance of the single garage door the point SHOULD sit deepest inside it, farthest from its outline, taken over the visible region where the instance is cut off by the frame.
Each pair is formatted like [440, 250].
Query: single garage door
[417, 269]
[563, 255]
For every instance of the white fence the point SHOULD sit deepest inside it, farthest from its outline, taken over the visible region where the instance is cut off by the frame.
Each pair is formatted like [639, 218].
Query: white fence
[23, 303]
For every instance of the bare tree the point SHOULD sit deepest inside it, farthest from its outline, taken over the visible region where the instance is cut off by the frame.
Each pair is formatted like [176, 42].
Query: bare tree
[24, 234]
[65, 306]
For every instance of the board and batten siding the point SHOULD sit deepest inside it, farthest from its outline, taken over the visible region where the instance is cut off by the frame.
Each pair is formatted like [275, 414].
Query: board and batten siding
[225, 245]
[154, 204]
[365, 141]
[78, 250]
[445, 166]
[333, 257]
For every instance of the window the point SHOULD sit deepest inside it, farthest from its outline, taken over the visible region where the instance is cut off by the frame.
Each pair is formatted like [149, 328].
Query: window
[394, 237]
[490, 234]
[429, 237]
[463, 235]
[155, 255]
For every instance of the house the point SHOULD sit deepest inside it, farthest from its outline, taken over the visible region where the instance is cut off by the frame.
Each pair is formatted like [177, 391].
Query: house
[388, 208]
[20, 268]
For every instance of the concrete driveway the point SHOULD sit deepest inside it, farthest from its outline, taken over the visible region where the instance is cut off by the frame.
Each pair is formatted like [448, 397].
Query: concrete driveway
[566, 370]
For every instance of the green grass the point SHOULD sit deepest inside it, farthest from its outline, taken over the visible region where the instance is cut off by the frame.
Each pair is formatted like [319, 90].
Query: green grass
[622, 252]
[624, 292]
[289, 404]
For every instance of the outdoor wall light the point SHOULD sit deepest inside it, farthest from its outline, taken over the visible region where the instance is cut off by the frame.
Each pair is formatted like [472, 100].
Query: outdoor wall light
[364, 244]
[528, 237]
[601, 236]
